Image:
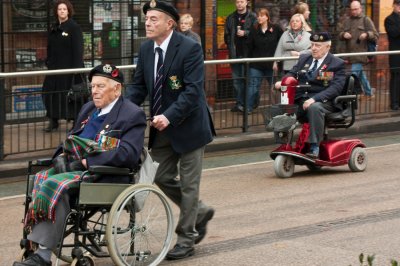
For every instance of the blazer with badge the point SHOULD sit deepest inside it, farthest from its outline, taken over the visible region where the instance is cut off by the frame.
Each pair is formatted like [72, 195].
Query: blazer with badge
[183, 97]
[327, 82]
[126, 122]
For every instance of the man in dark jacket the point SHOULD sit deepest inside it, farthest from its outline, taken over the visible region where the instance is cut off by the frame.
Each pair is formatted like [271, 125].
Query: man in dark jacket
[237, 28]
[170, 70]
[326, 75]
[392, 27]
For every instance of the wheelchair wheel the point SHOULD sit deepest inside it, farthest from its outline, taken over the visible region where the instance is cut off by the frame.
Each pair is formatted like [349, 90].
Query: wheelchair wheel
[284, 166]
[140, 226]
[358, 160]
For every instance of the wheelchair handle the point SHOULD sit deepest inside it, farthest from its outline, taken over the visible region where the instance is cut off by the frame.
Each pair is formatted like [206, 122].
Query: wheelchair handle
[345, 98]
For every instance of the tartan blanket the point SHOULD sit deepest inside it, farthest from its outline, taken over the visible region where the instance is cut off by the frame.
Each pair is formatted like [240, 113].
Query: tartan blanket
[49, 186]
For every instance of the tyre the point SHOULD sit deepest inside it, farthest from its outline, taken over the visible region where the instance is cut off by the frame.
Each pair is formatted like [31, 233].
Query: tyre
[139, 234]
[284, 166]
[358, 160]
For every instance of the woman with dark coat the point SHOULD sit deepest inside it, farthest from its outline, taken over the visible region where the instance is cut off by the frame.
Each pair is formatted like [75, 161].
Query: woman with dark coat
[64, 50]
[261, 42]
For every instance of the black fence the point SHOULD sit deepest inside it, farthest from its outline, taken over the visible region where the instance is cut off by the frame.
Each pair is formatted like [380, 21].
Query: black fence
[23, 114]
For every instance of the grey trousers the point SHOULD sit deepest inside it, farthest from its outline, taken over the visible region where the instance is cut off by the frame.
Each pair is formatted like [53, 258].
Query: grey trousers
[183, 191]
[315, 115]
[47, 233]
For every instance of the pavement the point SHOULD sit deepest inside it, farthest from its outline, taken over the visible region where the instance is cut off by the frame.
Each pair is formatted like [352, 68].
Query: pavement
[13, 166]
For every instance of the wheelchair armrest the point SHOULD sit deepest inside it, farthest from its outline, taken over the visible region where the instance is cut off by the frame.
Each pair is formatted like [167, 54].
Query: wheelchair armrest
[109, 170]
[345, 98]
[41, 162]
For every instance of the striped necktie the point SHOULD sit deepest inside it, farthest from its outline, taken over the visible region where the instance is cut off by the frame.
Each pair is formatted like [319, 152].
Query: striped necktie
[158, 83]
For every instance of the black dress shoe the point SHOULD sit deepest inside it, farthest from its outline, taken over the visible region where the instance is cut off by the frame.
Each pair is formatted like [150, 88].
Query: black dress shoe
[33, 260]
[179, 252]
[201, 226]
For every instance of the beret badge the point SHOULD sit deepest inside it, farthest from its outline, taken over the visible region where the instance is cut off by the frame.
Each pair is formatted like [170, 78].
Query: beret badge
[153, 3]
[107, 68]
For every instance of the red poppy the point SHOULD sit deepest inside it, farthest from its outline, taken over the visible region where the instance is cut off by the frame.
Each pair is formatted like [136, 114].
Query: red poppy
[114, 73]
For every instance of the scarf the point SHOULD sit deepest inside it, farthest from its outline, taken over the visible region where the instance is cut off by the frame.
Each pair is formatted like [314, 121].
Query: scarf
[48, 186]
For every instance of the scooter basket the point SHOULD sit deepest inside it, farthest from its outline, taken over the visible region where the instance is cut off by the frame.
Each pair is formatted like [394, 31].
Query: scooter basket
[278, 109]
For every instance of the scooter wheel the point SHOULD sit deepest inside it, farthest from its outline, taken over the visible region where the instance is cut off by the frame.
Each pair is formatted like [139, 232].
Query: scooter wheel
[358, 160]
[284, 166]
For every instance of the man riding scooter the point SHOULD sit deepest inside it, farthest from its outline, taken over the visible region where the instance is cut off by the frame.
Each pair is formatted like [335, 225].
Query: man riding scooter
[325, 75]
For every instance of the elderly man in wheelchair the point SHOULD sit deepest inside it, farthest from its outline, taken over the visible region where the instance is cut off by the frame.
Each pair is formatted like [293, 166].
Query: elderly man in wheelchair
[109, 133]
[317, 93]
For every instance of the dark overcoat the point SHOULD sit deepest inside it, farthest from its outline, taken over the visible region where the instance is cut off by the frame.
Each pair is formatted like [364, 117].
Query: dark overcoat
[392, 26]
[64, 50]
[126, 122]
[183, 97]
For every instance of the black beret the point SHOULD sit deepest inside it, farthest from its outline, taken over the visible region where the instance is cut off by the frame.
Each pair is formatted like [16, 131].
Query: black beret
[320, 37]
[396, 2]
[108, 71]
[162, 7]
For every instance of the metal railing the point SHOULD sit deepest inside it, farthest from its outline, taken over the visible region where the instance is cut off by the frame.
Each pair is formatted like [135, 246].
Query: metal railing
[22, 118]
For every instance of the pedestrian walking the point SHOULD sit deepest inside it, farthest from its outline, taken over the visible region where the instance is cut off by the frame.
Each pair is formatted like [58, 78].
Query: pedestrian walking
[170, 70]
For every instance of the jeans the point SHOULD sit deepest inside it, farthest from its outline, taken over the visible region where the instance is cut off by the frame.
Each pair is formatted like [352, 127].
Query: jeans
[238, 75]
[256, 77]
[358, 70]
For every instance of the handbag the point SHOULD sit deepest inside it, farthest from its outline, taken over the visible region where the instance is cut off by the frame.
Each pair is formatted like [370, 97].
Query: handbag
[147, 173]
[79, 91]
[371, 44]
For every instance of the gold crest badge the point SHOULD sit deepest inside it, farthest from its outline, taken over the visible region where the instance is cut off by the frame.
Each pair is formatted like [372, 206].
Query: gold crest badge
[175, 83]
[153, 3]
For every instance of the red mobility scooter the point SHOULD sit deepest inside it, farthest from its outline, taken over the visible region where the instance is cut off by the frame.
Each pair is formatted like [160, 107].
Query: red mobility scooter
[333, 152]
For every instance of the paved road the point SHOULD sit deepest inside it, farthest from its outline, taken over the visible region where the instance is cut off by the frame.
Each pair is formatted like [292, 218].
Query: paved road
[315, 218]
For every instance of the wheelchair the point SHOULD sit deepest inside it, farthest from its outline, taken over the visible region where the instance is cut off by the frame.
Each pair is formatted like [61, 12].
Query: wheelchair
[131, 223]
[333, 152]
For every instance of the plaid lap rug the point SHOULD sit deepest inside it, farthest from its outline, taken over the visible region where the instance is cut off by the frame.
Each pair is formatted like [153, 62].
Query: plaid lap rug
[48, 186]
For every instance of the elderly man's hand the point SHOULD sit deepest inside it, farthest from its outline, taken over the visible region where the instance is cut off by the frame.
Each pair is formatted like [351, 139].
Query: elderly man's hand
[160, 122]
[278, 85]
[84, 163]
[307, 103]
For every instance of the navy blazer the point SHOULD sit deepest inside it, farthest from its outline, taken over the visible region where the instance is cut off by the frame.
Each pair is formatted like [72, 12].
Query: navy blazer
[321, 90]
[127, 122]
[183, 97]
